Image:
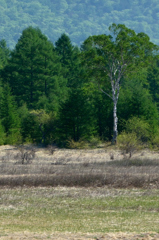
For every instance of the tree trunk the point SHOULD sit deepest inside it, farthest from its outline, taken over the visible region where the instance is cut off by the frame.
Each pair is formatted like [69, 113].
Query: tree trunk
[115, 129]
[43, 134]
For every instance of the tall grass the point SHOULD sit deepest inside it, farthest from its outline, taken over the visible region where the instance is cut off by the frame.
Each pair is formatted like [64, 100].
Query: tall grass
[84, 168]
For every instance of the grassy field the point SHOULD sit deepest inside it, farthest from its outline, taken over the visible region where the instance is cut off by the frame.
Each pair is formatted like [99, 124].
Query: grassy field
[79, 194]
[97, 211]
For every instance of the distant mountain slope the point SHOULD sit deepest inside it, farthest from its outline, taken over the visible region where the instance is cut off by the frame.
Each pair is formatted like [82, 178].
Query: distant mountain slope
[78, 18]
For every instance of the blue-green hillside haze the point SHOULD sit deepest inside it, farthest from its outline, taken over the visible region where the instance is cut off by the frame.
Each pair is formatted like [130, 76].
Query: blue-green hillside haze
[77, 18]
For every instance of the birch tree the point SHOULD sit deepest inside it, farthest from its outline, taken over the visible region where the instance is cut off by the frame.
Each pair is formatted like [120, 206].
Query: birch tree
[109, 58]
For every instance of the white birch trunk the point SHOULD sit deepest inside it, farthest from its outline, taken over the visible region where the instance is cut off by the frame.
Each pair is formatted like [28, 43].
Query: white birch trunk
[115, 83]
[115, 128]
[115, 74]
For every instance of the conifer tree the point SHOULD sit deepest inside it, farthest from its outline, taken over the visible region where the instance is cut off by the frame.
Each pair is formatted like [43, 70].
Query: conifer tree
[70, 60]
[77, 117]
[4, 53]
[2, 134]
[9, 116]
[34, 70]
[153, 80]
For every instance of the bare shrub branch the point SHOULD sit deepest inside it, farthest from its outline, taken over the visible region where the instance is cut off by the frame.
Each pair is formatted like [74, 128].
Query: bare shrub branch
[52, 149]
[25, 155]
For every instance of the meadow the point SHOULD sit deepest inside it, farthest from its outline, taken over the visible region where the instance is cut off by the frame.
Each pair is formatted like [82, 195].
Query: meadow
[78, 194]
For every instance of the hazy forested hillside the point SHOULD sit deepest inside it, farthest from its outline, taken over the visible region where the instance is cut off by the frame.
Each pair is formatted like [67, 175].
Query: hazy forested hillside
[77, 18]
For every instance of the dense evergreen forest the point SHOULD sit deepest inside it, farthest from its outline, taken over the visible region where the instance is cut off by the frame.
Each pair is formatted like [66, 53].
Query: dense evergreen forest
[79, 19]
[60, 93]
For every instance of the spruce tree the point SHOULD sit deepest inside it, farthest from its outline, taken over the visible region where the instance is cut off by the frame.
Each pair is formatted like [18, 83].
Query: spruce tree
[4, 53]
[70, 59]
[9, 116]
[2, 131]
[2, 134]
[153, 80]
[76, 117]
[34, 71]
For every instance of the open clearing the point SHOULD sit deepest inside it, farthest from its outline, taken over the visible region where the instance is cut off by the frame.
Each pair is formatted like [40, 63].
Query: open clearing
[78, 213]
[79, 194]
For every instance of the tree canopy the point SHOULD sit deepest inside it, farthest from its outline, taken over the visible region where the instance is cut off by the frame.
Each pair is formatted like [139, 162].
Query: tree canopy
[49, 93]
[109, 58]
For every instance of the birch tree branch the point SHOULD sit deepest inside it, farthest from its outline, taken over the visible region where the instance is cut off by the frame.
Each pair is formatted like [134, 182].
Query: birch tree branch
[104, 92]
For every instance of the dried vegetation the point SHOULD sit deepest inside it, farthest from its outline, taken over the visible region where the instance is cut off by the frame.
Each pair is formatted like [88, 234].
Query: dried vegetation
[86, 193]
[33, 166]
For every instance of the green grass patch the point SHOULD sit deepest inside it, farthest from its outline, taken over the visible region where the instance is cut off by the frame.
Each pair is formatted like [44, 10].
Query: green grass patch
[76, 210]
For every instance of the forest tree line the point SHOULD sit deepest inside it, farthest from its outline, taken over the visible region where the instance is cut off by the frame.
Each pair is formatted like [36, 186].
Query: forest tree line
[51, 93]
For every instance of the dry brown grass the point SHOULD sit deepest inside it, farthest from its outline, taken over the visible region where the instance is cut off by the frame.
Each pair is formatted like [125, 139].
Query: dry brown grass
[89, 167]
[68, 236]
[127, 210]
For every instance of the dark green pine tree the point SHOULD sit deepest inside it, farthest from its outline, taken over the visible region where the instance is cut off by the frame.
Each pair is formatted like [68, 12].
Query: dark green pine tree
[153, 80]
[64, 48]
[4, 53]
[33, 71]
[52, 84]
[70, 60]
[76, 117]
[103, 114]
[9, 117]
[2, 132]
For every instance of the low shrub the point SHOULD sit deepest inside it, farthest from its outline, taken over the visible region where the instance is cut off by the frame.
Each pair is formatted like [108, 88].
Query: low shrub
[25, 155]
[94, 142]
[154, 144]
[76, 145]
[140, 128]
[52, 148]
[128, 143]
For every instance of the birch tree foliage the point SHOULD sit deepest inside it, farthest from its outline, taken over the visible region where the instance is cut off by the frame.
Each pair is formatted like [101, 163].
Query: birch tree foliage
[109, 58]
